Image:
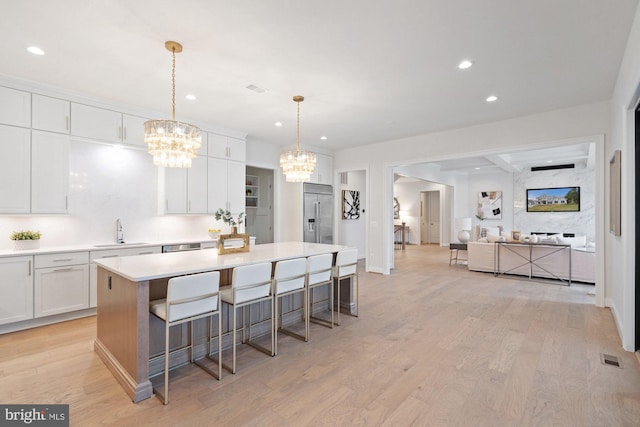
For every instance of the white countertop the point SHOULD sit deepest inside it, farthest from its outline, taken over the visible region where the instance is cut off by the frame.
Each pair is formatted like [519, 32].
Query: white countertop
[155, 266]
[97, 247]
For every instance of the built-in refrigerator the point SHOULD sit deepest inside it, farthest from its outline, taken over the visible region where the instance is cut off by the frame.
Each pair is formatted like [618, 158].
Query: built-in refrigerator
[318, 213]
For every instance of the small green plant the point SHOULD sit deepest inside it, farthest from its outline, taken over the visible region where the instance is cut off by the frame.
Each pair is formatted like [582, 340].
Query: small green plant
[226, 216]
[25, 235]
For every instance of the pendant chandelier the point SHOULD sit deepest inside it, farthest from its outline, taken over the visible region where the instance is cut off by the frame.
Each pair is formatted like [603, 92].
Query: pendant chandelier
[298, 165]
[173, 144]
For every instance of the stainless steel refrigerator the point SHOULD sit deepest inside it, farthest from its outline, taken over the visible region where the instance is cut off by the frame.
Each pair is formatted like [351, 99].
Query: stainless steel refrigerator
[318, 213]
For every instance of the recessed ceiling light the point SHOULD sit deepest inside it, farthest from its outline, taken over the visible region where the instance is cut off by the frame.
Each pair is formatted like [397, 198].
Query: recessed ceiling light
[465, 64]
[549, 161]
[323, 138]
[35, 50]
[492, 98]
[477, 169]
[278, 124]
[191, 97]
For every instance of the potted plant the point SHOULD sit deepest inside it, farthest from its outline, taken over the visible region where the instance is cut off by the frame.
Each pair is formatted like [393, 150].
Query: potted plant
[24, 240]
[229, 219]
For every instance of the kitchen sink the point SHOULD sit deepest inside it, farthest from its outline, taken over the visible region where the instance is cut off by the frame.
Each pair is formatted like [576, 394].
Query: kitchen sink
[118, 245]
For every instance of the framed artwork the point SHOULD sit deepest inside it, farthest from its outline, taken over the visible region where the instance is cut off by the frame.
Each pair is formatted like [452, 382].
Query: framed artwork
[396, 208]
[558, 199]
[350, 204]
[515, 236]
[614, 194]
[489, 205]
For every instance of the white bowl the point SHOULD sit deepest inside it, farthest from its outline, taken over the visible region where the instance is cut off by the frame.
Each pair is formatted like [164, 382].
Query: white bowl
[213, 234]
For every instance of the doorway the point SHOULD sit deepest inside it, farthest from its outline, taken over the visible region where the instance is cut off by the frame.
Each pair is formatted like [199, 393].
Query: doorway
[259, 204]
[637, 221]
[430, 217]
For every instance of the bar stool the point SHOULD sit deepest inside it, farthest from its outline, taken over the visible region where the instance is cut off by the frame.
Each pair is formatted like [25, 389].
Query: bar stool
[289, 278]
[319, 269]
[188, 298]
[250, 284]
[346, 268]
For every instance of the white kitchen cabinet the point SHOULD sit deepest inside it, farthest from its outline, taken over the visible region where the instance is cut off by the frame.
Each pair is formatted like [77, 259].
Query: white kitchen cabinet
[197, 186]
[50, 114]
[15, 170]
[133, 130]
[236, 174]
[112, 253]
[323, 172]
[15, 107]
[226, 187]
[224, 147]
[173, 190]
[96, 123]
[50, 172]
[61, 283]
[16, 289]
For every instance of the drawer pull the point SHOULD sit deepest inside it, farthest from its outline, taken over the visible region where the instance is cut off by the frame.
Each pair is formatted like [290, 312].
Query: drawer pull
[63, 260]
[109, 256]
[63, 269]
[145, 253]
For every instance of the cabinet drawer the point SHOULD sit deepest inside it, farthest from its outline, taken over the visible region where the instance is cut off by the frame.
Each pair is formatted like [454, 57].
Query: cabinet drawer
[62, 259]
[112, 253]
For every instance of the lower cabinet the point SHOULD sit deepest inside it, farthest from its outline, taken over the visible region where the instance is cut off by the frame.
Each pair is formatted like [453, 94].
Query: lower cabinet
[61, 283]
[61, 289]
[16, 288]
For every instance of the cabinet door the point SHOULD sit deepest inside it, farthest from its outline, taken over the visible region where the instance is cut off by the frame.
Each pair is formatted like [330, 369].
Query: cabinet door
[50, 172]
[16, 288]
[96, 123]
[50, 114]
[217, 145]
[236, 186]
[197, 186]
[216, 184]
[15, 169]
[133, 130]
[324, 169]
[15, 107]
[60, 290]
[175, 190]
[236, 149]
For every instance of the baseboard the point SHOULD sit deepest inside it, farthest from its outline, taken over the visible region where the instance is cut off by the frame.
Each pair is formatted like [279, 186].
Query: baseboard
[42, 321]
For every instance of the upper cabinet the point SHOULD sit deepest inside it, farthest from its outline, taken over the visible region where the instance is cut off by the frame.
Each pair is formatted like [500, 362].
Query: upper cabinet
[225, 147]
[133, 130]
[49, 172]
[50, 114]
[15, 169]
[96, 123]
[323, 173]
[15, 107]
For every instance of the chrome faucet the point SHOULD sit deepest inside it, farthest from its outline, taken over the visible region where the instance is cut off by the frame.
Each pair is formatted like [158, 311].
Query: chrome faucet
[119, 231]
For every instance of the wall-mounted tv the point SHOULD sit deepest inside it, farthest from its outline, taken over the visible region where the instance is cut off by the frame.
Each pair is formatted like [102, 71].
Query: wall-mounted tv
[559, 199]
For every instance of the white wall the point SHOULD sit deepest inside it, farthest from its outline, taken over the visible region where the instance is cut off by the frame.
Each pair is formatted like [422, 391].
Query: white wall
[620, 250]
[535, 131]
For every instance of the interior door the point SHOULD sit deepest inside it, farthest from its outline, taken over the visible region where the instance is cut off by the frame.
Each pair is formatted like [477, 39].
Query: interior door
[433, 216]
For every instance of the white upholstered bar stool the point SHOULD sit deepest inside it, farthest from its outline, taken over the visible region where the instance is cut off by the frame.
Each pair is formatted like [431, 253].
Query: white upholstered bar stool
[289, 278]
[346, 267]
[188, 298]
[319, 269]
[250, 284]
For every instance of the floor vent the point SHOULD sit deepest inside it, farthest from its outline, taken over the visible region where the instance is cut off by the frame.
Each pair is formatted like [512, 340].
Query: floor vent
[610, 360]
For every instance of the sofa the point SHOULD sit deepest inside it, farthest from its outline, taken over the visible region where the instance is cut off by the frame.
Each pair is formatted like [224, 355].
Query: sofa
[513, 260]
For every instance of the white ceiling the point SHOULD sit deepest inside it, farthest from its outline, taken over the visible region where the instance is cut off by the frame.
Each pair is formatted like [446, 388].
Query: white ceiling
[370, 71]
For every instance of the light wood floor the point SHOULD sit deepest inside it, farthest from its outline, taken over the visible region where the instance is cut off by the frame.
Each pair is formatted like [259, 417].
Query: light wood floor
[434, 345]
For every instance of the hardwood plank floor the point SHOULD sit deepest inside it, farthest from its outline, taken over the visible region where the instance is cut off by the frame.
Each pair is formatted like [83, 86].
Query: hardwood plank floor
[434, 345]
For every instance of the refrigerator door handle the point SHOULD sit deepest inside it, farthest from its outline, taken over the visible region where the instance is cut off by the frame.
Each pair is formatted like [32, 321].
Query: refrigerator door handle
[317, 214]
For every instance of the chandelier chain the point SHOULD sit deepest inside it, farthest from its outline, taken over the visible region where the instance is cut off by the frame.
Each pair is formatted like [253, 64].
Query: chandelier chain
[298, 141]
[173, 84]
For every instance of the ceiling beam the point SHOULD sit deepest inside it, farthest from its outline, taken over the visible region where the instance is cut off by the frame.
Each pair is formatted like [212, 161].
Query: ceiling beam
[501, 161]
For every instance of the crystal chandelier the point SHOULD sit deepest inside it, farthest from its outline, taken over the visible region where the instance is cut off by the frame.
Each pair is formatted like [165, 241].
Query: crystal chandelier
[173, 144]
[298, 165]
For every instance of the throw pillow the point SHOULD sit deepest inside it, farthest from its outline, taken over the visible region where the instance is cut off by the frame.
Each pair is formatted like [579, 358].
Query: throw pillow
[492, 238]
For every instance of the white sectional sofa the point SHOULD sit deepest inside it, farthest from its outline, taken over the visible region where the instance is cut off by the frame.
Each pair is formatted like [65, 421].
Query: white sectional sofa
[481, 258]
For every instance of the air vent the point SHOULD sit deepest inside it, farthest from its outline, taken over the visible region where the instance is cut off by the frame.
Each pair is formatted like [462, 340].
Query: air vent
[344, 178]
[610, 360]
[552, 167]
[256, 89]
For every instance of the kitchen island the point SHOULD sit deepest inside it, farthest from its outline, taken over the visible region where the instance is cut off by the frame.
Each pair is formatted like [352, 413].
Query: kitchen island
[127, 284]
